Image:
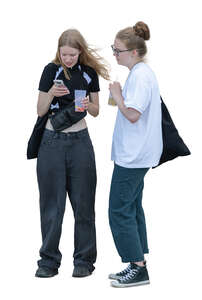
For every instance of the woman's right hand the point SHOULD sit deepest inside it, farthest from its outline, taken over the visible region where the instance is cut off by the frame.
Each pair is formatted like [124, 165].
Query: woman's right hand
[58, 91]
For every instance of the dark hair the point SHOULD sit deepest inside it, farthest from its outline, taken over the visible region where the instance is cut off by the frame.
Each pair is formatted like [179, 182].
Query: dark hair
[135, 37]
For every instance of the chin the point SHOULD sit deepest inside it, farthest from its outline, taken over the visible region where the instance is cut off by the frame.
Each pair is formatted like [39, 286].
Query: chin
[119, 63]
[70, 66]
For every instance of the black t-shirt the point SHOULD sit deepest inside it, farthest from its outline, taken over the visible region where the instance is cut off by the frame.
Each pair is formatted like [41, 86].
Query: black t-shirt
[82, 77]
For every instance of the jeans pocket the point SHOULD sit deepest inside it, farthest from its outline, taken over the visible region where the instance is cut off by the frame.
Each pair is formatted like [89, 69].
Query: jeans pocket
[86, 141]
[48, 141]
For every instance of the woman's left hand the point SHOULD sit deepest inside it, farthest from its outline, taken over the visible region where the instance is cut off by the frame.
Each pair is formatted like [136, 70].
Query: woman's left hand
[116, 91]
[85, 103]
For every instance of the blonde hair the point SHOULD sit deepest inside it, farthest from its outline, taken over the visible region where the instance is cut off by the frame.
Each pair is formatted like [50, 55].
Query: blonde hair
[88, 56]
[135, 37]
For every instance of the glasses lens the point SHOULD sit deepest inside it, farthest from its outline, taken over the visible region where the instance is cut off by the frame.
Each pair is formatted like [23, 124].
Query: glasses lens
[115, 51]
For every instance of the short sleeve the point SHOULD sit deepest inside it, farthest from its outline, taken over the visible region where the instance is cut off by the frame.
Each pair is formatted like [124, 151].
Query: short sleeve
[94, 83]
[47, 77]
[138, 93]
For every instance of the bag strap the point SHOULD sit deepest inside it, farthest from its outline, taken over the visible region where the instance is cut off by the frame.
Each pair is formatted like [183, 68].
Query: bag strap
[58, 72]
[84, 75]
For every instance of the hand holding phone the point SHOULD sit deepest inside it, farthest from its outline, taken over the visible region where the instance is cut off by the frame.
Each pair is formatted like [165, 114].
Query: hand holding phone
[58, 82]
[59, 89]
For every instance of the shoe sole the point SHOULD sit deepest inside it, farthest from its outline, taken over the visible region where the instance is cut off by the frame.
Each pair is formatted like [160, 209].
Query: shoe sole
[80, 276]
[39, 276]
[111, 276]
[122, 285]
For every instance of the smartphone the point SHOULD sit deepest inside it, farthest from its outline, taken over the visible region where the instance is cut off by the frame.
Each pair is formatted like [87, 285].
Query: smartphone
[58, 82]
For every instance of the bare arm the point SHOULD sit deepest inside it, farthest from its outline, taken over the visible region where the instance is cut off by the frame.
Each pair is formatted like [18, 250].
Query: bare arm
[130, 113]
[45, 99]
[92, 106]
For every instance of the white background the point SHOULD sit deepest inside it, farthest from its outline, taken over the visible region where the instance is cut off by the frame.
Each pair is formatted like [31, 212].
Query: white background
[172, 195]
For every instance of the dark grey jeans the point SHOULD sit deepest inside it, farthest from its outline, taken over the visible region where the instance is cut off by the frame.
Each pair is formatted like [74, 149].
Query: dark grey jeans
[66, 163]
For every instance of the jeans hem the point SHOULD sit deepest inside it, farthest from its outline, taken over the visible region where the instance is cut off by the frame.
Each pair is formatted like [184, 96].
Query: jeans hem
[128, 260]
[137, 259]
[90, 267]
[49, 264]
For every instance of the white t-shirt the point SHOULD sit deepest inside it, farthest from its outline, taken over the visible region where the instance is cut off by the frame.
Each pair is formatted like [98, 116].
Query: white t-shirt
[139, 144]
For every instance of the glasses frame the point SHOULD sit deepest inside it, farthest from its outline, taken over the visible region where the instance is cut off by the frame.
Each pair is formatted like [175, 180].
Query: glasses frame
[117, 51]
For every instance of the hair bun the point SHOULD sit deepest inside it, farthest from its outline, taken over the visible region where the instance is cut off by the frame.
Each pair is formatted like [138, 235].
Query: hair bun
[142, 30]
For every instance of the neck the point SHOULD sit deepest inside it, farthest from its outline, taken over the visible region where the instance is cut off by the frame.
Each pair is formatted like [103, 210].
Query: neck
[134, 63]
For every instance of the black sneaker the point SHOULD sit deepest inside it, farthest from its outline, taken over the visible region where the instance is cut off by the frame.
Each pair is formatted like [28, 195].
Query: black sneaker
[44, 272]
[136, 276]
[122, 273]
[80, 271]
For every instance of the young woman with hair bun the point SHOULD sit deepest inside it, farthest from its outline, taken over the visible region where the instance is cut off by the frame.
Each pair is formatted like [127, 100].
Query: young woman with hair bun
[137, 146]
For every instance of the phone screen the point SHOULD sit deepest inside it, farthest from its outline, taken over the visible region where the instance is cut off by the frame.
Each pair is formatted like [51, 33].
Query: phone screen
[58, 82]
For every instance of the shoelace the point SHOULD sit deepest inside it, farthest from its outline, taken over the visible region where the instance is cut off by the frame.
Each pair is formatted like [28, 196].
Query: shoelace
[129, 275]
[125, 271]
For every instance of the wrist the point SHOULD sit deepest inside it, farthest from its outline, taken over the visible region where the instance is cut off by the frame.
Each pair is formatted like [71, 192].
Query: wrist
[93, 109]
[120, 102]
[50, 94]
[50, 97]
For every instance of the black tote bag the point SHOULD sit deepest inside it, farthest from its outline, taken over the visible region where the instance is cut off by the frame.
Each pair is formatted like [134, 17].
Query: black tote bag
[173, 145]
[36, 136]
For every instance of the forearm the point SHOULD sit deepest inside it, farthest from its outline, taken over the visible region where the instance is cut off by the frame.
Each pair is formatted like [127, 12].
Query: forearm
[129, 113]
[93, 109]
[44, 102]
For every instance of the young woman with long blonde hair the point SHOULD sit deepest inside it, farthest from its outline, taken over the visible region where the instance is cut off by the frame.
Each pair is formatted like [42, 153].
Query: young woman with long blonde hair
[66, 162]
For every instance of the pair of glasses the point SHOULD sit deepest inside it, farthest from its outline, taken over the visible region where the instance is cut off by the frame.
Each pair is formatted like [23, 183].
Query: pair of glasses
[117, 51]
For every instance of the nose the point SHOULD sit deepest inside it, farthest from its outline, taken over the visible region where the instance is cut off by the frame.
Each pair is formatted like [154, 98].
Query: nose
[68, 60]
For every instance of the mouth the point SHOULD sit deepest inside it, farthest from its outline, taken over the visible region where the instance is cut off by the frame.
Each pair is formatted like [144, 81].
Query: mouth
[69, 64]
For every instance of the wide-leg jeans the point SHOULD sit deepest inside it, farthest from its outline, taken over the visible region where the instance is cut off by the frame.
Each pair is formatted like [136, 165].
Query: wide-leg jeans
[66, 164]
